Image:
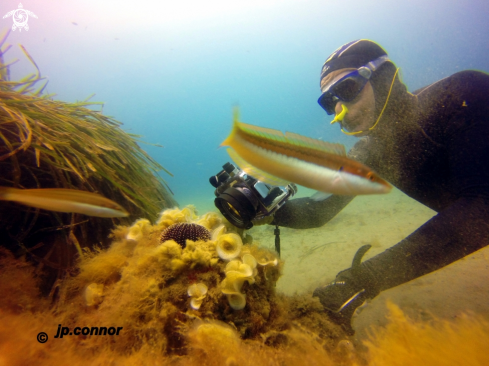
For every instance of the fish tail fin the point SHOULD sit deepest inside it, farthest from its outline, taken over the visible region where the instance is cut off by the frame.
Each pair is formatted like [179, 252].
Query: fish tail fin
[228, 141]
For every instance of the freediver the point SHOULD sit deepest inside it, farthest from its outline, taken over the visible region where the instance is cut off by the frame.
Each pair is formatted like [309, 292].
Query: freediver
[432, 144]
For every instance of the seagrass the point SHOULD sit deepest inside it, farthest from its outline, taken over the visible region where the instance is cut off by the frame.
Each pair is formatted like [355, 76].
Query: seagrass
[86, 149]
[46, 143]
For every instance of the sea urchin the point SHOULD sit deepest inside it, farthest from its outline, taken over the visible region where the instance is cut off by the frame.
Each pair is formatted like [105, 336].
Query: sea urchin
[182, 231]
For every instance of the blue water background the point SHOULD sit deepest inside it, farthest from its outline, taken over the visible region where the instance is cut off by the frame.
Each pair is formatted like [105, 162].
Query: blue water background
[172, 73]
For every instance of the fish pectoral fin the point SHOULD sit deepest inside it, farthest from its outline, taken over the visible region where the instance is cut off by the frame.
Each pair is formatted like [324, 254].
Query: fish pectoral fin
[320, 196]
[255, 172]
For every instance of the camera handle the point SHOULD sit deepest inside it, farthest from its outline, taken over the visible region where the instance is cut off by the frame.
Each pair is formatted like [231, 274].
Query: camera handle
[277, 239]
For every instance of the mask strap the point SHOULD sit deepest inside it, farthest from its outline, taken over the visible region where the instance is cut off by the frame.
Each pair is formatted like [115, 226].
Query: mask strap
[380, 115]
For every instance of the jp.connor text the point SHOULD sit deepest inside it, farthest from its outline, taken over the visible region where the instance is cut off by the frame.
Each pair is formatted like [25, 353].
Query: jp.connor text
[62, 331]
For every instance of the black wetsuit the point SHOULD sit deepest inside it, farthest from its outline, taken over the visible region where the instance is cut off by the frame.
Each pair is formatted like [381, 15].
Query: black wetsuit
[437, 153]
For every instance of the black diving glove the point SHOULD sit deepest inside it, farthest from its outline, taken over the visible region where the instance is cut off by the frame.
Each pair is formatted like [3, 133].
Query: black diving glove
[350, 289]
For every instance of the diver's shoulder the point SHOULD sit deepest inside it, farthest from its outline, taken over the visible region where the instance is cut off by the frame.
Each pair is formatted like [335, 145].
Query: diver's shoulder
[470, 75]
[467, 80]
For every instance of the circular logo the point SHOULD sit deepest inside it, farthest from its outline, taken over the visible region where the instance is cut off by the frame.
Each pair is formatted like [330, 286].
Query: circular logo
[20, 18]
[42, 337]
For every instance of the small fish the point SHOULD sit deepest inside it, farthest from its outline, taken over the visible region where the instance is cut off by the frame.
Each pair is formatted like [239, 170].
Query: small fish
[275, 158]
[64, 200]
[74, 23]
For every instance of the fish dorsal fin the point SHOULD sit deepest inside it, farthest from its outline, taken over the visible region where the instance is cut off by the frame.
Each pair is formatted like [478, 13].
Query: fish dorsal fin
[255, 172]
[264, 132]
[291, 138]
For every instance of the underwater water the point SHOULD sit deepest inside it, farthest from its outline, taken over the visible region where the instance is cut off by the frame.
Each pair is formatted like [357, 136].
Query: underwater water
[172, 72]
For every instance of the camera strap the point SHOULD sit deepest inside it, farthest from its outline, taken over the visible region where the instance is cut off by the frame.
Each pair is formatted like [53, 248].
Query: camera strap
[277, 239]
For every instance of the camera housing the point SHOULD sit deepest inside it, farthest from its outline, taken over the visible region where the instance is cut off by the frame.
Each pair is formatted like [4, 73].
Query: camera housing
[243, 199]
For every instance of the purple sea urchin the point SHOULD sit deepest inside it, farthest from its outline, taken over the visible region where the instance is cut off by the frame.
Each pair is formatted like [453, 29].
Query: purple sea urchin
[182, 231]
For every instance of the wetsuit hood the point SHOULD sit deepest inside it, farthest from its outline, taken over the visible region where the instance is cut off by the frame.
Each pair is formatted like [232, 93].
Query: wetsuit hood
[352, 55]
[358, 53]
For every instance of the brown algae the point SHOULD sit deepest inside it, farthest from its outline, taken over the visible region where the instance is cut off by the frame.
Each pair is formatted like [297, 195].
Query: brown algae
[172, 309]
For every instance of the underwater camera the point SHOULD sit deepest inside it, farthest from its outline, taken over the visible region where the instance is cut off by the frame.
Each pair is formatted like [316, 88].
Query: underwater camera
[243, 199]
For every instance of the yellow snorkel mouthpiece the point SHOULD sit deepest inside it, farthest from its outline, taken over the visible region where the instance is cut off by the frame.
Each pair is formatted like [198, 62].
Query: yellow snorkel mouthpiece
[339, 117]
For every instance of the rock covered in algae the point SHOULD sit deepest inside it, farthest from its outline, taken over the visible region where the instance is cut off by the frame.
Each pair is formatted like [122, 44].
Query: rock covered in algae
[146, 287]
[217, 339]
[138, 230]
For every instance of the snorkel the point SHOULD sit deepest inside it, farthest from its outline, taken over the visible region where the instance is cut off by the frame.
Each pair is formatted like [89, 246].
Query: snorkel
[339, 117]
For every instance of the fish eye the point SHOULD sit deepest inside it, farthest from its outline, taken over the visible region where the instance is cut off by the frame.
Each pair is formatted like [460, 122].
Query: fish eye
[341, 168]
[370, 176]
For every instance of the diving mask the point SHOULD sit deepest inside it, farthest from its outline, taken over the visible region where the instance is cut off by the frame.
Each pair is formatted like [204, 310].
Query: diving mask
[349, 86]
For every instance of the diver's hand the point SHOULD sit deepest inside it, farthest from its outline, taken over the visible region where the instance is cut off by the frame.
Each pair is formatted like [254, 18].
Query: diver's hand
[350, 289]
[340, 299]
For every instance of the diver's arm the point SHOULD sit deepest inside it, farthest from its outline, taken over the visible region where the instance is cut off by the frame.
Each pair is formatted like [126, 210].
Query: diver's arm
[305, 213]
[450, 235]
